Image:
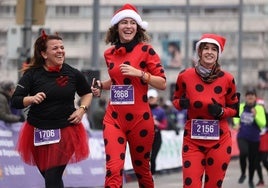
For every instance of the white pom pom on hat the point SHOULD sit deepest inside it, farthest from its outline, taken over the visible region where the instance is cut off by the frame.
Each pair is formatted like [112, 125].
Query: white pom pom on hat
[210, 38]
[128, 11]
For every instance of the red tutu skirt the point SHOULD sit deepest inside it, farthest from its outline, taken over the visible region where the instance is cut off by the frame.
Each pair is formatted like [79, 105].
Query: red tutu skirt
[264, 142]
[73, 147]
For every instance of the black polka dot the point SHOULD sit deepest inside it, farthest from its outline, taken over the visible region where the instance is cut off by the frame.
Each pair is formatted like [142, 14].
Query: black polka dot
[120, 140]
[116, 126]
[147, 155]
[224, 166]
[129, 116]
[206, 178]
[146, 116]
[210, 161]
[144, 48]
[229, 90]
[108, 173]
[143, 133]
[145, 98]
[108, 157]
[187, 164]
[199, 88]
[219, 183]
[140, 149]
[218, 89]
[188, 181]
[203, 162]
[201, 148]
[229, 149]
[151, 51]
[185, 133]
[198, 104]
[185, 148]
[114, 115]
[105, 141]
[122, 156]
[127, 62]
[111, 66]
[137, 162]
[216, 146]
[233, 81]
[143, 64]
[127, 81]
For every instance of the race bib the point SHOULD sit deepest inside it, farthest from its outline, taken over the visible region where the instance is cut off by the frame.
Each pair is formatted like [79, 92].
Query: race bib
[205, 129]
[122, 94]
[44, 137]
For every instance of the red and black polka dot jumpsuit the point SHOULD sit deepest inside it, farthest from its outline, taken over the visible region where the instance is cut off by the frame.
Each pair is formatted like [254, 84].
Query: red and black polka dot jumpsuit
[206, 156]
[132, 123]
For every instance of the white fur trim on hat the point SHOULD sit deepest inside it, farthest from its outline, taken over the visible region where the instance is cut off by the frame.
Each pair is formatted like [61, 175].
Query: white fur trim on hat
[128, 13]
[206, 40]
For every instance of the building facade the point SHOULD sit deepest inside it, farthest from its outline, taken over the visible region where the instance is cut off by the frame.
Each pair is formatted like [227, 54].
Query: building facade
[168, 22]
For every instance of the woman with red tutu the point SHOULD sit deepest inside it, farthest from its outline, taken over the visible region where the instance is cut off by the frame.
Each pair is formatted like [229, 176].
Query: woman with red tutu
[53, 134]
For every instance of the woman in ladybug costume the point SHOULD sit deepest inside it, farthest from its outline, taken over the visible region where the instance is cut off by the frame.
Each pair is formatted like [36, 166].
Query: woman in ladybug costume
[132, 65]
[209, 95]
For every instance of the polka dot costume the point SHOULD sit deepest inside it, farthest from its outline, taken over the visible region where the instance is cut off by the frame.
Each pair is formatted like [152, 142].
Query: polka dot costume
[208, 157]
[131, 123]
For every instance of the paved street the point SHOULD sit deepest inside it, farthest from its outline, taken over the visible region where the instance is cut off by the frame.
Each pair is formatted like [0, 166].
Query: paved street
[174, 179]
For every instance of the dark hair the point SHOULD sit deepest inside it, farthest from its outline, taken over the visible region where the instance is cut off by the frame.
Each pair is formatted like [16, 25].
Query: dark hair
[175, 45]
[112, 35]
[251, 91]
[202, 46]
[40, 45]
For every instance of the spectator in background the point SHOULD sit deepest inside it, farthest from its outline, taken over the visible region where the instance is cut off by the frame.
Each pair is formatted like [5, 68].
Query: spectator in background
[160, 123]
[263, 149]
[98, 114]
[7, 89]
[252, 120]
[172, 116]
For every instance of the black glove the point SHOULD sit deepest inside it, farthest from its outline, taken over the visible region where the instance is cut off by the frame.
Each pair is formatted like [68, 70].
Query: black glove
[215, 109]
[184, 103]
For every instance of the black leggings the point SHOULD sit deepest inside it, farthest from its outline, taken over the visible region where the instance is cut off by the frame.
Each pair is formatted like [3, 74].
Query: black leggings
[155, 149]
[53, 177]
[248, 150]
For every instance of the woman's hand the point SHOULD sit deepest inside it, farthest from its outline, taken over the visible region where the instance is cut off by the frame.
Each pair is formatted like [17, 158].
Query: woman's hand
[38, 98]
[96, 87]
[128, 70]
[76, 116]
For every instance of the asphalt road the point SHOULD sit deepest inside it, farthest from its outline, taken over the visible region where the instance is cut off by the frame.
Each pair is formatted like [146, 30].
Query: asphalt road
[174, 179]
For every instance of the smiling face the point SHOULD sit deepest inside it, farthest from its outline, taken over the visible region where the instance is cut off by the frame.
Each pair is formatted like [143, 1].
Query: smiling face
[127, 29]
[208, 54]
[55, 54]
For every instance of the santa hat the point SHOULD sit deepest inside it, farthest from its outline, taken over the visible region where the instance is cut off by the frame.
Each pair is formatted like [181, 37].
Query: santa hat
[211, 38]
[128, 11]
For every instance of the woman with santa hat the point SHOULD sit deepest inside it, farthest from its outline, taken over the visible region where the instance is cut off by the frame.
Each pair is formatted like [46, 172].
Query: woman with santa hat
[133, 66]
[209, 95]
